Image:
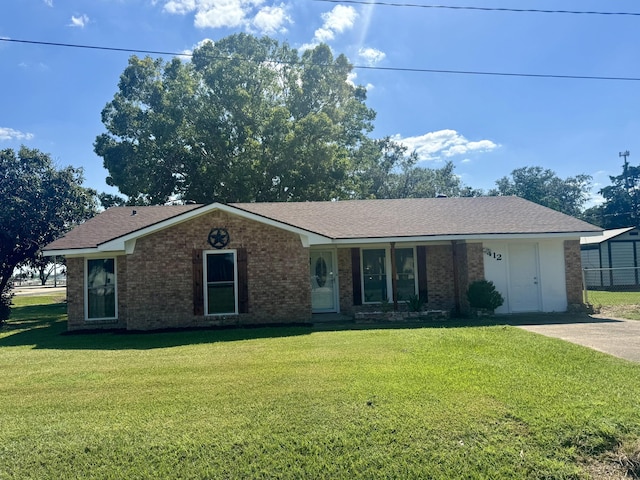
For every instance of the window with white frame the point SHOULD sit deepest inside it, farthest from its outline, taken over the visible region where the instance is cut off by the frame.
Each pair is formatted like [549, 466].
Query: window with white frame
[376, 274]
[221, 282]
[101, 295]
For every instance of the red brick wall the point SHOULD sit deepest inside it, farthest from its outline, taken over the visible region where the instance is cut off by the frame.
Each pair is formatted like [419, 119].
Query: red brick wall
[75, 297]
[440, 291]
[345, 281]
[573, 272]
[470, 268]
[155, 283]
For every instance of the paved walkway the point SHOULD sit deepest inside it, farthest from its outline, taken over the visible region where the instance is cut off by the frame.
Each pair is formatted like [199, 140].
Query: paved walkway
[616, 337]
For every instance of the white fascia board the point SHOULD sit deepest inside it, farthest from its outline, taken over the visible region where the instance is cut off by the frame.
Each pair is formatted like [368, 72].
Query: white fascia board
[127, 242]
[471, 238]
[82, 252]
[604, 236]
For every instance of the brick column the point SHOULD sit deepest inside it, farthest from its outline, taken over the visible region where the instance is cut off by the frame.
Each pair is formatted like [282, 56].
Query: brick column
[573, 272]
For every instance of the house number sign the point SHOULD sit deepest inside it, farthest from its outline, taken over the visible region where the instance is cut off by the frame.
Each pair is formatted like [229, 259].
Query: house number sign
[492, 254]
[218, 238]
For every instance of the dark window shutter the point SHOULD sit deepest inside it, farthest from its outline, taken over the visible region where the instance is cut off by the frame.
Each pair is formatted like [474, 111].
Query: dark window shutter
[355, 274]
[243, 287]
[421, 253]
[198, 290]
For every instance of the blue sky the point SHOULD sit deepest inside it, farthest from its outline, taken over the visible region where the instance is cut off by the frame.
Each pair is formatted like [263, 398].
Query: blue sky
[51, 97]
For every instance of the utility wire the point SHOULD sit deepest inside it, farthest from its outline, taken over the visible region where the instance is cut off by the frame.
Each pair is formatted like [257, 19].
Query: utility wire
[360, 67]
[484, 9]
[94, 47]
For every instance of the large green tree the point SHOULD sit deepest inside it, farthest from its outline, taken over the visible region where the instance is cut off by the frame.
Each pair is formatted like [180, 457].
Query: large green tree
[38, 202]
[388, 170]
[247, 119]
[544, 187]
[621, 206]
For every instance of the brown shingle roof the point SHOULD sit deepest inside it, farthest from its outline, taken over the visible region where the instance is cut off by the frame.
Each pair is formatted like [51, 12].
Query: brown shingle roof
[116, 222]
[354, 219]
[420, 217]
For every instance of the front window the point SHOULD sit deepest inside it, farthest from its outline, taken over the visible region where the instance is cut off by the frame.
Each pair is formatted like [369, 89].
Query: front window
[405, 267]
[101, 288]
[376, 277]
[221, 282]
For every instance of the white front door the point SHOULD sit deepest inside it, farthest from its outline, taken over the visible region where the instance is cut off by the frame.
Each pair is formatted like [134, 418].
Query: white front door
[324, 276]
[524, 282]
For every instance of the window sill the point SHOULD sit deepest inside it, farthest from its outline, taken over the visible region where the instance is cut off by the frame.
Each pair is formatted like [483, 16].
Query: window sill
[100, 321]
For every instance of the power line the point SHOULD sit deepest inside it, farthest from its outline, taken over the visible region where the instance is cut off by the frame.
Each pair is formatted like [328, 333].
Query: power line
[484, 9]
[93, 47]
[360, 67]
[501, 74]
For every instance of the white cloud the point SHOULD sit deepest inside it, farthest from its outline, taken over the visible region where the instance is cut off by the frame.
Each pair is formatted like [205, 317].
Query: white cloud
[444, 144]
[42, 67]
[189, 52]
[351, 80]
[11, 134]
[80, 21]
[49, 3]
[180, 7]
[247, 14]
[371, 56]
[338, 20]
[272, 20]
[223, 13]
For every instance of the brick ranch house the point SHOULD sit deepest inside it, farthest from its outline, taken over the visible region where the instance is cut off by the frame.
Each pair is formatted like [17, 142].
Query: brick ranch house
[144, 268]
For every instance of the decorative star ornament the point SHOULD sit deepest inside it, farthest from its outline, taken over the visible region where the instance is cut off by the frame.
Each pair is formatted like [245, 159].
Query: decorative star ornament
[218, 238]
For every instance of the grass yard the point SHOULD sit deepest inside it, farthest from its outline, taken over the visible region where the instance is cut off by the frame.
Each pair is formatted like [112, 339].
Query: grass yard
[477, 402]
[616, 304]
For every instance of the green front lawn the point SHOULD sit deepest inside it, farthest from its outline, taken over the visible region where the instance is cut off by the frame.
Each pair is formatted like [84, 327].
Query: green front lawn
[481, 402]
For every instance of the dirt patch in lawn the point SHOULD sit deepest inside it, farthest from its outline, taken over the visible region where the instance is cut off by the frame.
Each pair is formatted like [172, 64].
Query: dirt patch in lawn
[628, 312]
[623, 464]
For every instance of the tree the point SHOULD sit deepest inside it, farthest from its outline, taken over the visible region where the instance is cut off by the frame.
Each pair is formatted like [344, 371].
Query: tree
[247, 119]
[388, 171]
[546, 188]
[45, 266]
[38, 203]
[108, 200]
[621, 207]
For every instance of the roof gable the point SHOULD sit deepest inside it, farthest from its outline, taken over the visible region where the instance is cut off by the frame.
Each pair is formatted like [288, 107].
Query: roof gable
[116, 222]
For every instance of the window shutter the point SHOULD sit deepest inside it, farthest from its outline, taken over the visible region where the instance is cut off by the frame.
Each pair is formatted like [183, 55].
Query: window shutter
[355, 273]
[243, 287]
[198, 290]
[421, 253]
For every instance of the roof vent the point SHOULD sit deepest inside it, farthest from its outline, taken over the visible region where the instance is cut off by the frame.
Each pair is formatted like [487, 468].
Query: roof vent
[134, 212]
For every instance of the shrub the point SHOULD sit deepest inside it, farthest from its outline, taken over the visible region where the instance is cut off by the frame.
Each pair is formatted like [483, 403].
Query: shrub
[415, 303]
[483, 294]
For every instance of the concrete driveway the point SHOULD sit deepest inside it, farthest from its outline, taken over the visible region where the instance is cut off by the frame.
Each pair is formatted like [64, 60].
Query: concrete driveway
[616, 337]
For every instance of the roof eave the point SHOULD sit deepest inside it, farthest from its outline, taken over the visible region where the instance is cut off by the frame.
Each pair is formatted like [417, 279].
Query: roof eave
[469, 237]
[81, 252]
[606, 238]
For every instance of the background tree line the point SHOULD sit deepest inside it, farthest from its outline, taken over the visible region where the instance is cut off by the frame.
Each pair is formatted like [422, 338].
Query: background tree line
[250, 120]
